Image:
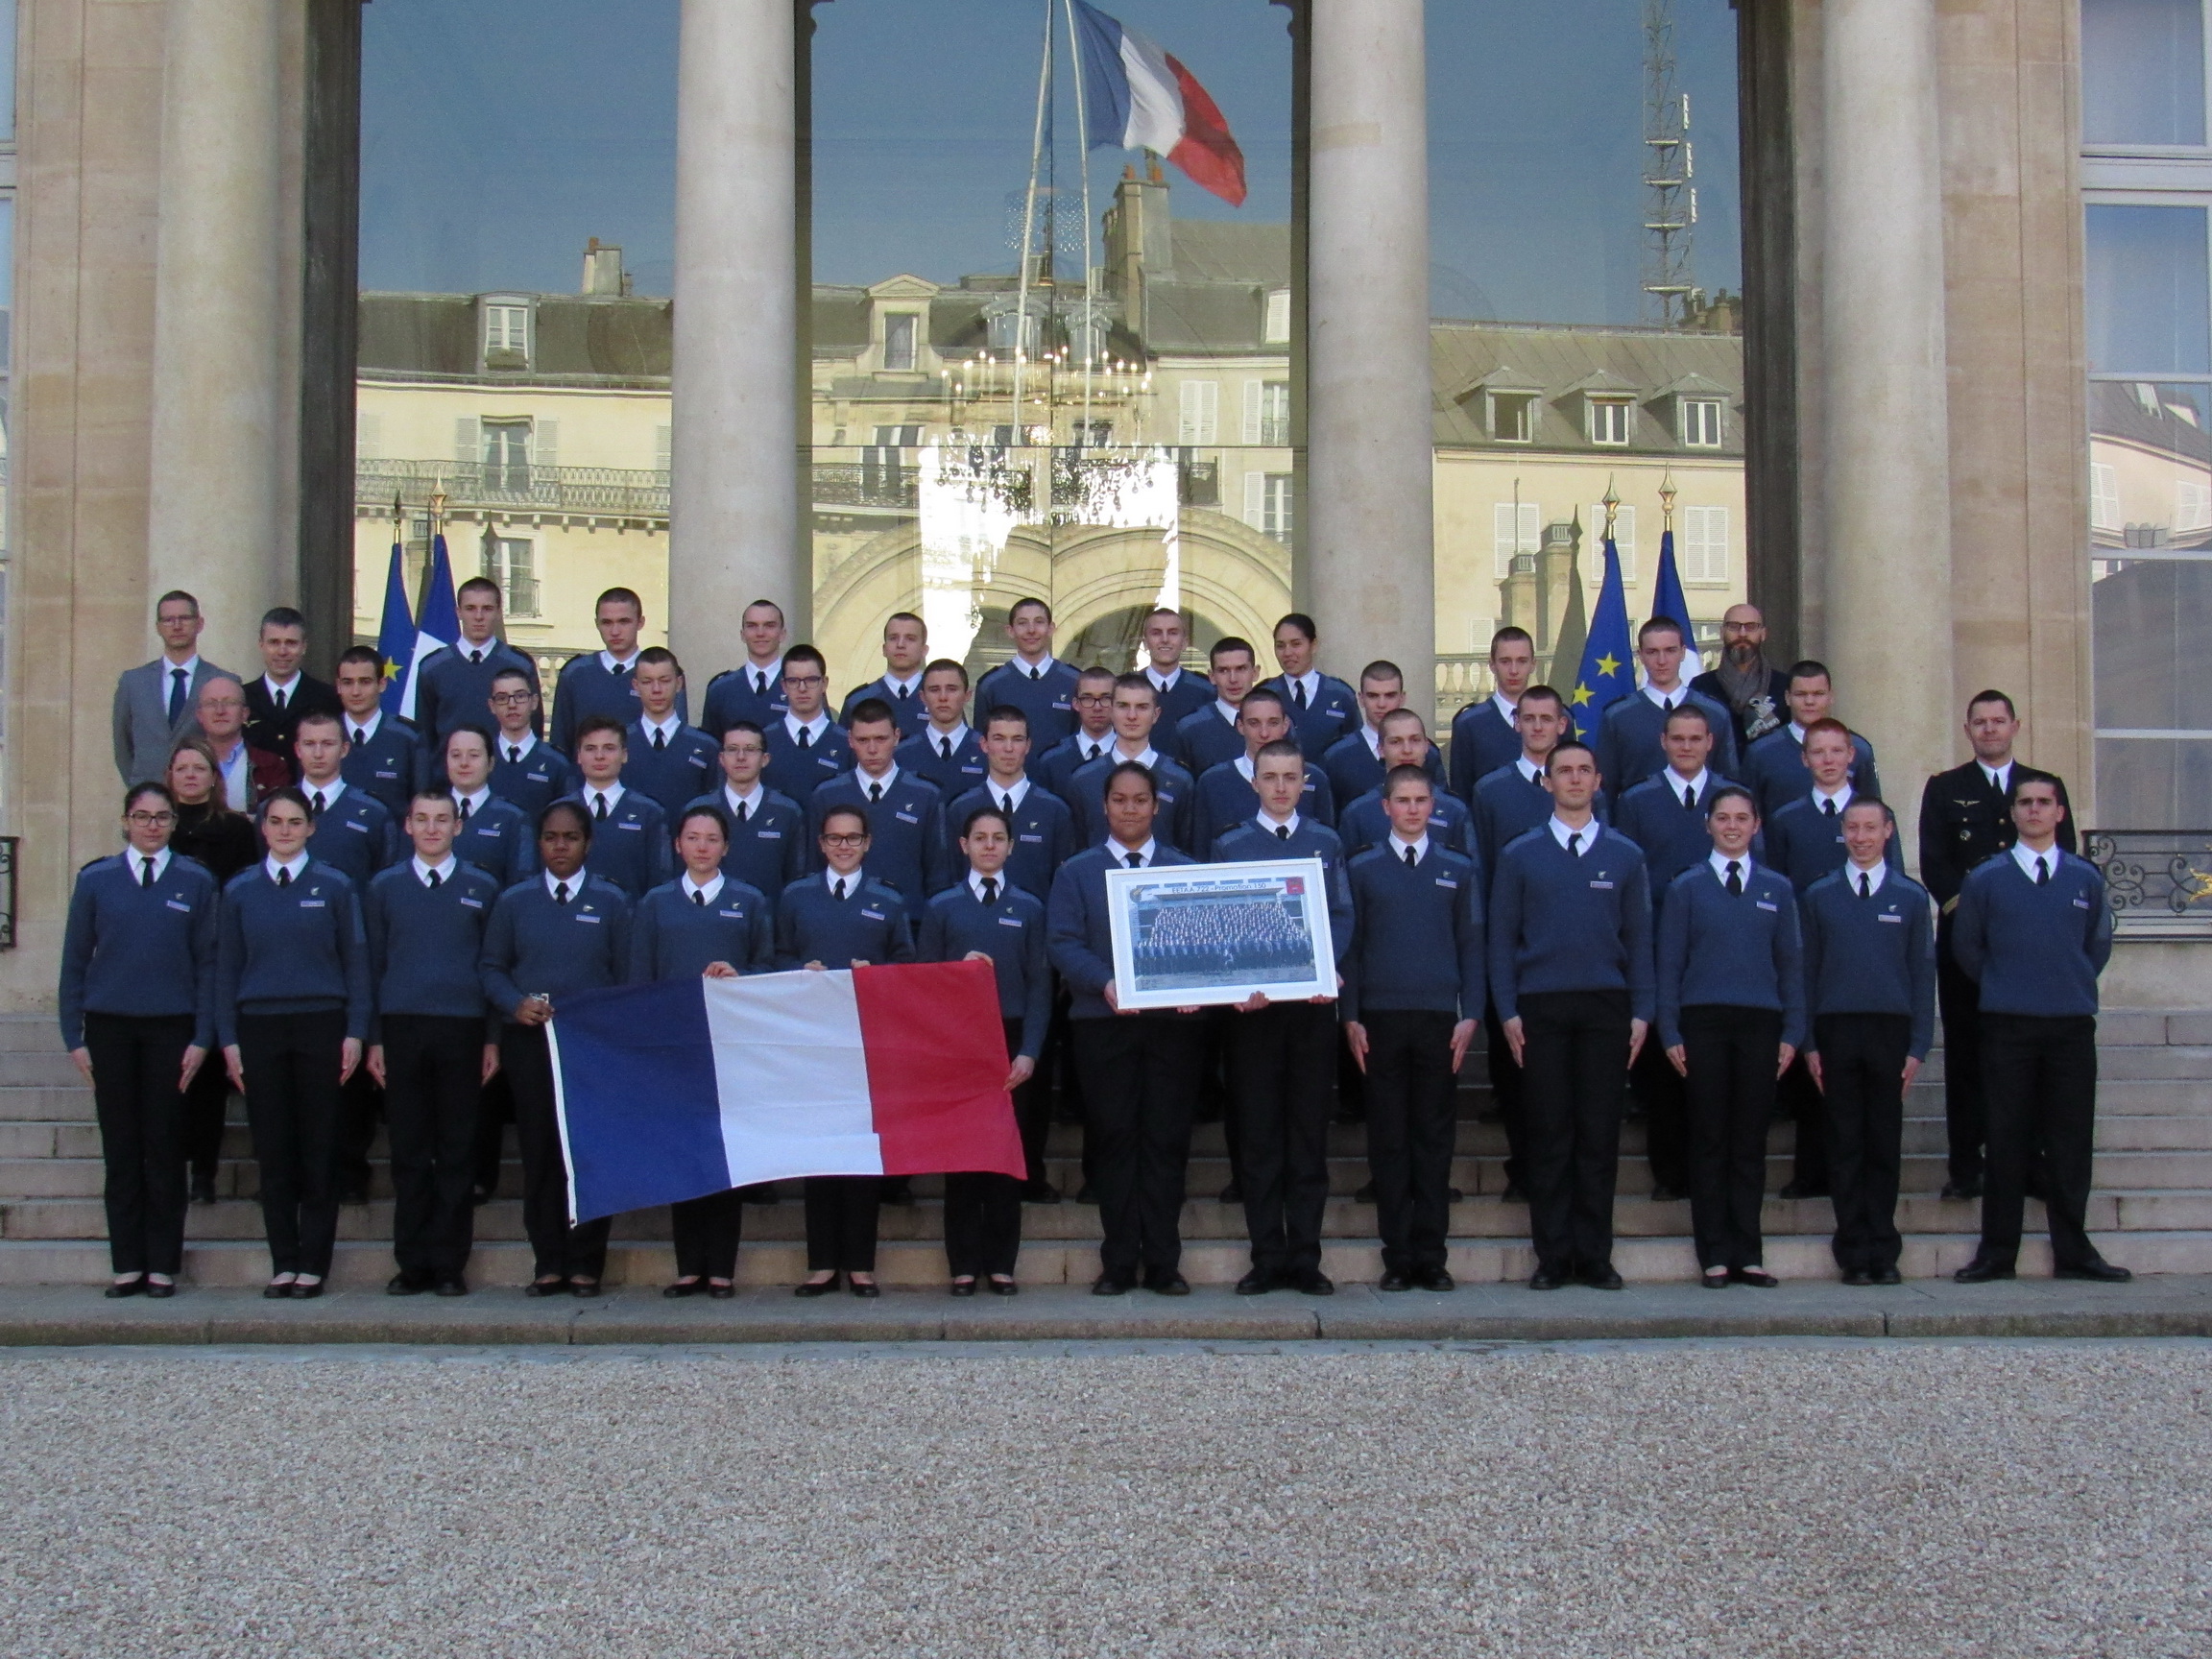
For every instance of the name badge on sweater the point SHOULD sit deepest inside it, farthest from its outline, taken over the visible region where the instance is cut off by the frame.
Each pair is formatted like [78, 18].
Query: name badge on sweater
[1890, 916]
[1602, 886]
[389, 777]
[768, 834]
[587, 915]
[905, 817]
[357, 827]
[175, 905]
[473, 903]
[732, 915]
[2080, 903]
[1036, 840]
[698, 760]
[313, 904]
[631, 826]
[538, 776]
[1762, 905]
[1009, 921]
[872, 914]
[1447, 881]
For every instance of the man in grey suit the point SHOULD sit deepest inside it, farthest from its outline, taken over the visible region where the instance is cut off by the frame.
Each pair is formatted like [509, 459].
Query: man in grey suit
[154, 701]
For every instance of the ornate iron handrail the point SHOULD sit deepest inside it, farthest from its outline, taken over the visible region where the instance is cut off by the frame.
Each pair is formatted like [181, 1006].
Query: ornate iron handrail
[2156, 880]
[515, 488]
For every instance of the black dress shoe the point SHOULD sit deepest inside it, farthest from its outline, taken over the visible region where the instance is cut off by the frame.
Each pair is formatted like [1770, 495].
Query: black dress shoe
[1886, 1276]
[1311, 1282]
[1112, 1285]
[158, 1292]
[1365, 1195]
[450, 1285]
[684, 1288]
[1962, 1190]
[1513, 1194]
[305, 1292]
[1662, 1194]
[1981, 1272]
[479, 1195]
[1714, 1278]
[761, 1192]
[1434, 1279]
[1453, 1194]
[1393, 1281]
[721, 1292]
[546, 1288]
[897, 1189]
[1232, 1193]
[354, 1192]
[1039, 1193]
[1546, 1279]
[128, 1288]
[1257, 1283]
[864, 1288]
[962, 1286]
[814, 1288]
[277, 1293]
[406, 1285]
[1602, 1277]
[1003, 1287]
[202, 1189]
[2099, 1272]
[1087, 1193]
[1166, 1281]
[1802, 1190]
[583, 1290]
[1859, 1278]
[1754, 1276]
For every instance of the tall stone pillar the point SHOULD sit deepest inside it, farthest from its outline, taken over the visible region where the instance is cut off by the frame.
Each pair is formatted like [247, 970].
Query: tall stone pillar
[1887, 475]
[215, 524]
[734, 515]
[1370, 531]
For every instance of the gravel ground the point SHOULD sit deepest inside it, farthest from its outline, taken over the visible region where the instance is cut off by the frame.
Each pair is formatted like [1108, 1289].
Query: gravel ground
[1713, 1499]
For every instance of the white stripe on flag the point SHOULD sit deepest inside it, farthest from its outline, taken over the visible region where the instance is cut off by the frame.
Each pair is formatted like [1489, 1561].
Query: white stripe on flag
[792, 1075]
[1155, 97]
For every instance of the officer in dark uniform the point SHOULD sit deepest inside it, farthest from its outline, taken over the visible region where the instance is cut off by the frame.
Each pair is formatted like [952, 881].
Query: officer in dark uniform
[1964, 821]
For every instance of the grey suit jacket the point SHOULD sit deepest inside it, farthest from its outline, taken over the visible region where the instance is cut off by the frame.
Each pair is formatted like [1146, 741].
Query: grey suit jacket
[143, 733]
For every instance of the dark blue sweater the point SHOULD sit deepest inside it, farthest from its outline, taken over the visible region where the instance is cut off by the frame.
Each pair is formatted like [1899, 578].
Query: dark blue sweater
[584, 687]
[909, 714]
[1333, 714]
[1872, 955]
[1418, 939]
[689, 766]
[963, 772]
[1248, 843]
[730, 696]
[1056, 767]
[1366, 820]
[534, 945]
[1673, 836]
[796, 772]
[1482, 740]
[450, 690]
[1507, 806]
[1774, 767]
[1190, 692]
[392, 765]
[296, 949]
[1049, 701]
[1629, 743]
[1011, 932]
[534, 782]
[2033, 949]
[425, 942]
[906, 833]
[500, 841]
[1178, 803]
[1226, 798]
[1081, 933]
[631, 846]
[1353, 769]
[1561, 923]
[672, 938]
[1044, 836]
[355, 834]
[140, 951]
[771, 849]
[1730, 951]
[1805, 844]
[868, 925]
[1201, 740]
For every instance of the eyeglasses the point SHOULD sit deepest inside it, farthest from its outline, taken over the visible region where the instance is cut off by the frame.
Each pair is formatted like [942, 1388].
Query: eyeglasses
[1095, 700]
[150, 820]
[805, 679]
[512, 696]
[829, 840]
[742, 748]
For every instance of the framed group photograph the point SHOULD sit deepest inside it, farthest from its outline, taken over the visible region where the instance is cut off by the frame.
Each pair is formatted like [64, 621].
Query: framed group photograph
[1201, 934]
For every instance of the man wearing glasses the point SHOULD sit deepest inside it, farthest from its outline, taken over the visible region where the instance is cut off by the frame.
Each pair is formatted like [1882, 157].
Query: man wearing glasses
[1094, 736]
[767, 829]
[806, 747]
[524, 770]
[248, 772]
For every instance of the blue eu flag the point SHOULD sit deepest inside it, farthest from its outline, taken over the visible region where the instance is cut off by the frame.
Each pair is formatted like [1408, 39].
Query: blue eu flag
[1608, 670]
[396, 634]
[1670, 601]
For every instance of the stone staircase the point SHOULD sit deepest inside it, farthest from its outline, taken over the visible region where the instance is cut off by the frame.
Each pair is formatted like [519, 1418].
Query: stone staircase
[2151, 1210]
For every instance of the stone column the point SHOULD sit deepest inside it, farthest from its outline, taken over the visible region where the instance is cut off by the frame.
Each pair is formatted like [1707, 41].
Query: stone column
[734, 511]
[1887, 617]
[221, 402]
[1370, 530]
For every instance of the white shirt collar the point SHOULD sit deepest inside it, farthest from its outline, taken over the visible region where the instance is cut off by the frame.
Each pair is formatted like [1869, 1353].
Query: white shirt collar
[1721, 862]
[467, 647]
[1090, 747]
[852, 882]
[443, 872]
[1022, 666]
[866, 782]
[1398, 843]
[330, 791]
[1017, 791]
[1821, 797]
[1163, 681]
[2000, 777]
[1671, 698]
[1676, 783]
[1874, 877]
[1247, 765]
[912, 686]
[668, 728]
[276, 685]
[134, 863]
[1504, 706]
[475, 802]
[752, 671]
[190, 665]
[1145, 854]
[271, 864]
[593, 791]
[610, 662]
[936, 739]
[522, 744]
[1268, 826]
[1310, 682]
[2024, 856]
[813, 728]
[750, 803]
[574, 884]
[710, 889]
[1589, 832]
[1373, 739]
[975, 883]
[1528, 768]
[1149, 759]
[1796, 733]
[368, 727]
[1226, 710]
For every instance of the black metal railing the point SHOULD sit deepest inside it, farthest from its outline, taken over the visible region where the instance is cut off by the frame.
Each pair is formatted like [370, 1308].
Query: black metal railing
[2155, 878]
[8, 846]
[514, 487]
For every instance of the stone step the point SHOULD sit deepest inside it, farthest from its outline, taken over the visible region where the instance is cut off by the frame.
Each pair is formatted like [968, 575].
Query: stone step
[30, 1034]
[1205, 1261]
[19, 1066]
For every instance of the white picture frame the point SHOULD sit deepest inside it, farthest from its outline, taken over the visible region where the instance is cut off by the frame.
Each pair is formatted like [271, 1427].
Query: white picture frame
[1231, 929]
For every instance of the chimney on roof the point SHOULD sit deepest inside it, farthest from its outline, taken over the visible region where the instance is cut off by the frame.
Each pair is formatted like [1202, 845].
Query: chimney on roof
[603, 274]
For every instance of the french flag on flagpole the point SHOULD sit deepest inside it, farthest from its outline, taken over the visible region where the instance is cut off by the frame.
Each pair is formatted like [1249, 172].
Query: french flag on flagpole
[687, 1087]
[1141, 97]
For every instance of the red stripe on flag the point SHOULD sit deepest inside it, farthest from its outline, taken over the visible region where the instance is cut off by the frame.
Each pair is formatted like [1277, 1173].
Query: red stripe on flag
[937, 1067]
[1208, 154]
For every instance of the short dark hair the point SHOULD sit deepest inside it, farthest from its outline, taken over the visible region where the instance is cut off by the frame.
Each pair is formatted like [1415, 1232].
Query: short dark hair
[428, 793]
[574, 810]
[945, 665]
[1512, 636]
[752, 726]
[1277, 748]
[1877, 800]
[481, 584]
[905, 616]
[1981, 697]
[979, 814]
[593, 723]
[1261, 694]
[368, 654]
[836, 812]
[1227, 643]
[705, 809]
[1382, 668]
[282, 616]
[869, 710]
[511, 672]
[619, 596]
[756, 604]
[1163, 611]
[2023, 776]
[1402, 715]
[1021, 604]
[283, 793]
[1006, 711]
[1736, 792]
[320, 717]
[1687, 710]
[1662, 625]
[132, 794]
[1138, 683]
[1568, 742]
[174, 596]
[1398, 774]
[653, 655]
[1132, 769]
[1806, 668]
[1299, 620]
[805, 654]
[1541, 694]
[470, 727]
[1097, 671]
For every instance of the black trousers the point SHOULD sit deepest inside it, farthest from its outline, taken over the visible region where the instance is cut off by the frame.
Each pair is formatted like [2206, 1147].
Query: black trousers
[559, 1249]
[291, 1063]
[1032, 1106]
[1863, 1075]
[433, 1065]
[2039, 1073]
[1965, 1116]
[136, 1063]
[1506, 1081]
[495, 1111]
[1576, 1070]
[1666, 1101]
[1279, 1059]
[1731, 1052]
[982, 1224]
[206, 1109]
[1809, 1112]
[1412, 1117]
[1139, 1092]
[706, 1231]
[841, 1222]
[360, 1108]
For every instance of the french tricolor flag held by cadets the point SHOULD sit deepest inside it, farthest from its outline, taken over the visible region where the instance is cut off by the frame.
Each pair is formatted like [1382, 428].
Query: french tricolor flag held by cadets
[678, 1089]
[1141, 97]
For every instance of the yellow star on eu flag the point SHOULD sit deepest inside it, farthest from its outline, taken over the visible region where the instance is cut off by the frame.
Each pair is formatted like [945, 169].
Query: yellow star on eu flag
[1608, 666]
[391, 672]
[1581, 694]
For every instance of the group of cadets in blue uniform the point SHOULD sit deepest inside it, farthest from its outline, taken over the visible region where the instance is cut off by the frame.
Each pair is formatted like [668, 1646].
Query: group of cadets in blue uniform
[1656, 904]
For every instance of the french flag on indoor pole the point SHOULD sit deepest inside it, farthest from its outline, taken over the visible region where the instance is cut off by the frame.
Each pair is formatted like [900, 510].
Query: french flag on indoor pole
[678, 1089]
[1141, 97]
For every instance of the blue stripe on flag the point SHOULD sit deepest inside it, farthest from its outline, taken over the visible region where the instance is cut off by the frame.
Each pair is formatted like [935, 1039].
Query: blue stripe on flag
[1105, 78]
[640, 1113]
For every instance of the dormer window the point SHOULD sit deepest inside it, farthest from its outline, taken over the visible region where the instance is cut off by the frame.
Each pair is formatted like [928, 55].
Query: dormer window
[1699, 422]
[507, 333]
[1513, 417]
[1278, 321]
[1609, 421]
[901, 329]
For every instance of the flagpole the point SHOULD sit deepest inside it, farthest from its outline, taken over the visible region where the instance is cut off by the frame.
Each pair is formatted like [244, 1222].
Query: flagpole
[1029, 230]
[1083, 151]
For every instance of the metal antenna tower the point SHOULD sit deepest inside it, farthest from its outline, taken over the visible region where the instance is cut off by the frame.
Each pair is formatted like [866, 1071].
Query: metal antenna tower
[1666, 275]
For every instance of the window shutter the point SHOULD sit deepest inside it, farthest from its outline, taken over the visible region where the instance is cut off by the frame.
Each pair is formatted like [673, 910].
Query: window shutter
[664, 447]
[1253, 392]
[544, 443]
[1200, 409]
[468, 441]
[367, 436]
[522, 578]
[1256, 500]
[1623, 539]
